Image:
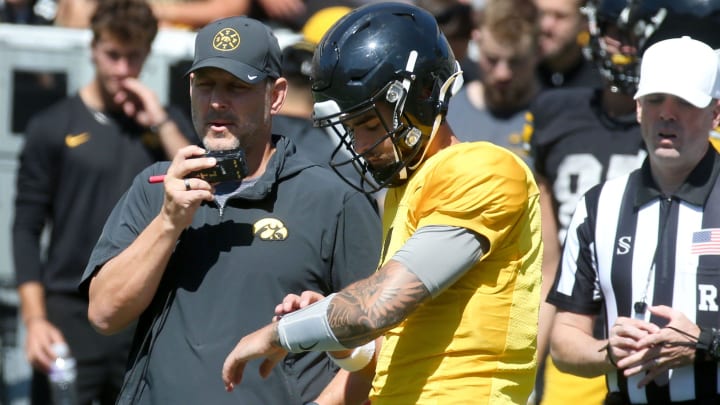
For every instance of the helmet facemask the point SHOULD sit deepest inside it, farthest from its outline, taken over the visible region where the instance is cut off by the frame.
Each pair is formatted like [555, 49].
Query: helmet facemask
[633, 27]
[388, 61]
[409, 139]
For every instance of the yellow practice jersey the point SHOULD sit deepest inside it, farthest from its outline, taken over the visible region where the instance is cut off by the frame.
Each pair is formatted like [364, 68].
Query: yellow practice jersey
[563, 388]
[715, 138]
[475, 342]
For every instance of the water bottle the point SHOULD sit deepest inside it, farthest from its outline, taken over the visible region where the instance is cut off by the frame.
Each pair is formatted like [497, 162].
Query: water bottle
[62, 376]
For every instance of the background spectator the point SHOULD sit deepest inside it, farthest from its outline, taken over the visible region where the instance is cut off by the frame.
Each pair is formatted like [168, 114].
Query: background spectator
[75, 13]
[493, 108]
[79, 157]
[563, 35]
[32, 12]
[289, 14]
[455, 18]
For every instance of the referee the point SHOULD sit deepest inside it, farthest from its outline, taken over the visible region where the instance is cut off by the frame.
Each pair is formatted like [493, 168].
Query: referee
[646, 247]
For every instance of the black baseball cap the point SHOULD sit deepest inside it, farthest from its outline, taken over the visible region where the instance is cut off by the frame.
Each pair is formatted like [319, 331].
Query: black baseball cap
[242, 46]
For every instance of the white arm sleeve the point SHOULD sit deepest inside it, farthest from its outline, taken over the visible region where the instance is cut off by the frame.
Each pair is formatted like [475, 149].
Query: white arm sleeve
[358, 359]
[439, 255]
[308, 329]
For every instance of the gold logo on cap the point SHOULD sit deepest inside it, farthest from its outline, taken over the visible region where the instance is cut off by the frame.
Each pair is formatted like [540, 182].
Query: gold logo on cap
[227, 39]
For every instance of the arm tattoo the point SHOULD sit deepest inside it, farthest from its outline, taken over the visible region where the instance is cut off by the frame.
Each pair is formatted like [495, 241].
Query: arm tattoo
[370, 307]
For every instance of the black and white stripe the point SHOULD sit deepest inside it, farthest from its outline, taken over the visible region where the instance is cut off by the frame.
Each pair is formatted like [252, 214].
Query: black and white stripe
[615, 239]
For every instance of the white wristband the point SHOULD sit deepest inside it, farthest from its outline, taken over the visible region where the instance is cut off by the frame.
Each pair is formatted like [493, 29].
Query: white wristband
[358, 359]
[308, 329]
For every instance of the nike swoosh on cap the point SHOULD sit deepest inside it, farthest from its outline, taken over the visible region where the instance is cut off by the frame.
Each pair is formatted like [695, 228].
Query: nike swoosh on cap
[251, 77]
[73, 141]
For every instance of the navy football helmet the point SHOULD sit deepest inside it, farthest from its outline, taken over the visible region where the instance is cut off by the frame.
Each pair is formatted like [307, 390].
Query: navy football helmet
[390, 53]
[640, 23]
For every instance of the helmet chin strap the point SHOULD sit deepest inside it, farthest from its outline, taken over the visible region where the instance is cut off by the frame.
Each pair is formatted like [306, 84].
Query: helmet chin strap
[453, 83]
[407, 81]
[398, 97]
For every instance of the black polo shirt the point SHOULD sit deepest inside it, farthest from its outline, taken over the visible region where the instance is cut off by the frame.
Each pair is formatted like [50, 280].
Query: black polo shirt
[74, 166]
[298, 228]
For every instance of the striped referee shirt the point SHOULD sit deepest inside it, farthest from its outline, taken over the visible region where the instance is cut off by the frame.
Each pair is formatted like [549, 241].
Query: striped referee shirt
[627, 244]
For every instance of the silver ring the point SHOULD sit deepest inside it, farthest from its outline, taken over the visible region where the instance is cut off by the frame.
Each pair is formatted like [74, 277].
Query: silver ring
[187, 185]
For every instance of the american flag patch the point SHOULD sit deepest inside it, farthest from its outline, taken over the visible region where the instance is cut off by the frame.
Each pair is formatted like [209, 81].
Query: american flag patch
[706, 242]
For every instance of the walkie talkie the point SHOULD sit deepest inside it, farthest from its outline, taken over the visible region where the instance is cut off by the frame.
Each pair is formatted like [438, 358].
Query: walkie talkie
[231, 165]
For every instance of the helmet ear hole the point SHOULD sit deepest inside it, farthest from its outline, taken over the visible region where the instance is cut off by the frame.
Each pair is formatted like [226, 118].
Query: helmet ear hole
[394, 92]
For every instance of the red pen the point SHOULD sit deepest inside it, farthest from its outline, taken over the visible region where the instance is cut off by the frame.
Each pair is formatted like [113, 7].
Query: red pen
[156, 179]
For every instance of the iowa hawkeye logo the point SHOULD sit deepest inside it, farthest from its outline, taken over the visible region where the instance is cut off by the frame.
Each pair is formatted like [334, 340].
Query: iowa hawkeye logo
[270, 229]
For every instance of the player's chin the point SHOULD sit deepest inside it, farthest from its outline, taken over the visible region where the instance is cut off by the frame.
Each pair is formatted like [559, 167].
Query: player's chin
[380, 162]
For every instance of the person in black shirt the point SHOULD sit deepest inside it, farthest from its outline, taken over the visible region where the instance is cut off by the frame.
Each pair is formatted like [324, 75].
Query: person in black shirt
[199, 264]
[563, 34]
[79, 157]
[31, 12]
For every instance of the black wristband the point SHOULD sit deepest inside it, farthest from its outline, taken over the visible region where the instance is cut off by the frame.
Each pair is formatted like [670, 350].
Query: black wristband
[704, 341]
[714, 349]
[708, 343]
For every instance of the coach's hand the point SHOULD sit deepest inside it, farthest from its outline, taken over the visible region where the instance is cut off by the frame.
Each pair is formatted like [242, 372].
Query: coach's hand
[261, 343]
[184, 196]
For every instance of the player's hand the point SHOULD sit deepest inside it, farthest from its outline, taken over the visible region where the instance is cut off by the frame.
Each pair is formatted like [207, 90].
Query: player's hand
[293, 302]
[184, 196]
[260, 344]
[39, 338]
